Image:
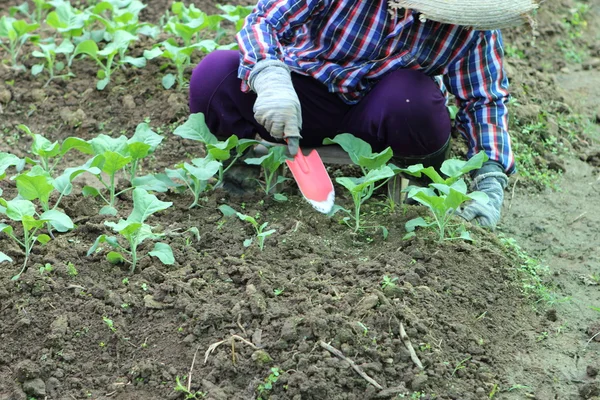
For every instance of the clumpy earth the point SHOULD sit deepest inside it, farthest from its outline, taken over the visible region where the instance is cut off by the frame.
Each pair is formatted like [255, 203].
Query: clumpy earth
[225, 318]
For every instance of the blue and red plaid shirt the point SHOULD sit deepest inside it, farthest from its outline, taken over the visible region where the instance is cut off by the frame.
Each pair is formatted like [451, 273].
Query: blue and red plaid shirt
[349, 45]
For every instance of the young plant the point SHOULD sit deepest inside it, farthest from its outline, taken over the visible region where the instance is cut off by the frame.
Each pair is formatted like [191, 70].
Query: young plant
[195, 176]
[265, 387]
[14, 33]
[372, 165]
[135, 231]
[235, 14]
[24, 212]
[48, 53]
[114, 154]
[49, 154]
[443, 197]
[115, 15]
[261, 234]
[361, 189]
[271, 164]
[195, 128]
[189, 395]
[67, 20]
[180, 58]
[36, 15]
[105, 58]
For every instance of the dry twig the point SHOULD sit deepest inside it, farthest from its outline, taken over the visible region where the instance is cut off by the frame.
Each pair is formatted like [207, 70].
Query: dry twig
[409, 347]
[231, 339]
[339, 354]
[189, 387]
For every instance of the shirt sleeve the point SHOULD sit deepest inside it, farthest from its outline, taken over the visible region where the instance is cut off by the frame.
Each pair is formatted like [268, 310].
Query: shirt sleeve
[270, 22]
[479, 83]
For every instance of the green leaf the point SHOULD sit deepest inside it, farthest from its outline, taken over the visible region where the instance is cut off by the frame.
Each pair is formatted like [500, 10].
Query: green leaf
[355, 147]
[247, 218]
[357, 185]
[101, 84]
[77, 144]
[17, 210]
[154, 182]
[8, 160]
[139, 62]
[103, 143]
[113, 162]
[479, 197]
[88, 47]
[145, 134]
[164, 253]
[168, 81]
[146, 204]
[411, 225]
[43, 239]
[138, 150]
[6, 228]
[4, 257]
[90, 191]
[32, 187]
[100, 239]
[114, 257]
[59, 220]
[152, 54]
[195, 128]
[227, 210]
[203, 168]
[375, 160]
[37, 69]
[247, 242]
[108, 210]
[222, 150]
[454, 168]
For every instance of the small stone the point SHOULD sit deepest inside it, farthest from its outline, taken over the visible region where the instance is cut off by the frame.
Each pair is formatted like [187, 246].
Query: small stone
[262, 357]
[480, 390]
[589, 390]
[35, 387]
[368, 302]
[5, 95]
[149, 302]
[418, 382]
[591, 371]
[591, 64]
[189, 338]
[53, 387]
[72, 118]
[128, 102]
[60, 325]
[27, 370]
[551, 315]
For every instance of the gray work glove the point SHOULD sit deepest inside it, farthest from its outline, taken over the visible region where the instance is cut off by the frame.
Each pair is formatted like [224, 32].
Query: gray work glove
[491, 180]
[277, 106]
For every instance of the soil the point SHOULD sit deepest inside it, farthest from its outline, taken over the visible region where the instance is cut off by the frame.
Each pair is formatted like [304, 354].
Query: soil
[224, 315]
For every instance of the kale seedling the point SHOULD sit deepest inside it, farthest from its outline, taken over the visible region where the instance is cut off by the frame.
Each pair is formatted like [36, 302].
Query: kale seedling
[14, 33]
[265, 387]
[114, 154]
[67, 20]
[261, 234]
[105, 58]
[374, 169]
[195, 128]
[195, 176]
[41, 6]
[271, 163]
[361, 190]
[443, 197]
[189, 395]
[49, 52]
[135, 231]
[180, 58]
[24, 211]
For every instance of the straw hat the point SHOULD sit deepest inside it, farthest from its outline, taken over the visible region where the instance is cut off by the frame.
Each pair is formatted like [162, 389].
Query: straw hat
[478, 14]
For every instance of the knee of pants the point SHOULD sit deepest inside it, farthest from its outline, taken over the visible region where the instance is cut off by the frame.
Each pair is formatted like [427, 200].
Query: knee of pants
[208, 76]
[412, 117]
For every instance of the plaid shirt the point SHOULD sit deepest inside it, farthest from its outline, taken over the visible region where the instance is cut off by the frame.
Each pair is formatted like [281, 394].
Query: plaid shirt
[349, 45]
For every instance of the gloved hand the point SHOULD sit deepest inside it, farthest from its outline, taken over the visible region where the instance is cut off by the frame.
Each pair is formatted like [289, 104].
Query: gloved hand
[277, 106]
[491, 180]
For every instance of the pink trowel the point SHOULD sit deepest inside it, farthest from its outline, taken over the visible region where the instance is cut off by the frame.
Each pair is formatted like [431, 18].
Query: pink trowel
[313, 180]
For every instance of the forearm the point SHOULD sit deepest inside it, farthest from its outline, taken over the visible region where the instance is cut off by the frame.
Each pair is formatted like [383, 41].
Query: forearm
[264, 29]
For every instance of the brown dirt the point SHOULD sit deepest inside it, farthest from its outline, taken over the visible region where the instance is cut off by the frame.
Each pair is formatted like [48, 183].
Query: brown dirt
[462, 304]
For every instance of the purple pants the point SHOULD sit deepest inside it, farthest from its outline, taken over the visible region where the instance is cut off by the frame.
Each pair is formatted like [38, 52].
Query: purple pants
[405, 110]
